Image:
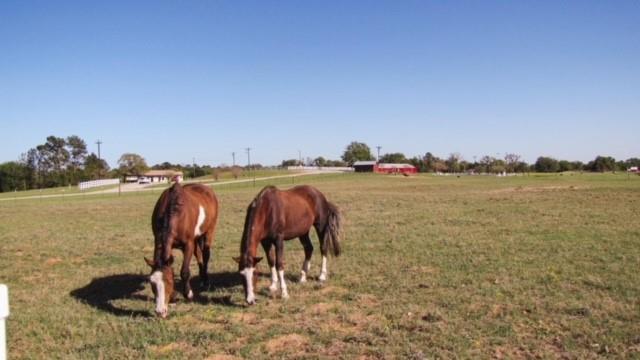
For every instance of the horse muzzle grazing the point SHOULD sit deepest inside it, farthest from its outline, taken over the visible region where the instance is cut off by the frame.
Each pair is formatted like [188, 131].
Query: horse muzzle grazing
[249, 282]
[162, 285]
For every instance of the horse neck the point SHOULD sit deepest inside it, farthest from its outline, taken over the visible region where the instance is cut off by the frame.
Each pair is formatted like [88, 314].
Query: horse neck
[174, 209]
[256, 224]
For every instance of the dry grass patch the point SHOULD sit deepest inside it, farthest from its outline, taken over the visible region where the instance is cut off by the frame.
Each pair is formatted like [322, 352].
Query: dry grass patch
[290, 344]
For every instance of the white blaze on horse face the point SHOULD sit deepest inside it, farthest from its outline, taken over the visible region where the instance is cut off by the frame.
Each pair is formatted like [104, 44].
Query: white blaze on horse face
[156, 279]
[274, 279]
[323, 273]
[248, 275]
[201, 216]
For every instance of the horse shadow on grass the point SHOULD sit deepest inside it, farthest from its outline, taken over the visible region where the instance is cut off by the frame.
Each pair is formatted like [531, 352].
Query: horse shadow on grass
[221, 280]
[101, 293]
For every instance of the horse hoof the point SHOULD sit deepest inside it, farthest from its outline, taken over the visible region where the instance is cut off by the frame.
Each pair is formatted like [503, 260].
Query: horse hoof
[323, 277]
[285, 296]
[190, 295]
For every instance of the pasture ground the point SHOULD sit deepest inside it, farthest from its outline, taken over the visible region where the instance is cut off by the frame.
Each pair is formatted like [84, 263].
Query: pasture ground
[433, 267]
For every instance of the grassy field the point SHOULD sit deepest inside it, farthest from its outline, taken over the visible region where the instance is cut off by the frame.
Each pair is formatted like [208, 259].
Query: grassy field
[433, 267]
[59, 191]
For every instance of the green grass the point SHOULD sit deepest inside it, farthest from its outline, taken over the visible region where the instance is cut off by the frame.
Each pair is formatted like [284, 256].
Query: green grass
[227, 175]
[65, 190]
[435, 267]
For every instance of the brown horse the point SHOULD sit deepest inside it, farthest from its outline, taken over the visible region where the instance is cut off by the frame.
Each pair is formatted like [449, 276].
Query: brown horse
[185, 218]
[275, 216]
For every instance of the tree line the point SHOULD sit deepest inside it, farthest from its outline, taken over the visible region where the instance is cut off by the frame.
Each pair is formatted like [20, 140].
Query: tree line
[57, 162]
[510, 163]
[66, 161]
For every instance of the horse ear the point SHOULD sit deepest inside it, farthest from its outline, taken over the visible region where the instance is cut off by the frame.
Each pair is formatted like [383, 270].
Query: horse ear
[236, 259]
[149, 262]
[256, 260]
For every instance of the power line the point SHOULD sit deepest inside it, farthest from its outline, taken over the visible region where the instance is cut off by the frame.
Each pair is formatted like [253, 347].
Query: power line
[248, 158]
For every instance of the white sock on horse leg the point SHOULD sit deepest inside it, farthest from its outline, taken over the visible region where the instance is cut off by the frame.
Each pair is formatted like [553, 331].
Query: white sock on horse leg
[323, 273]
[274, 279]
[283, 285]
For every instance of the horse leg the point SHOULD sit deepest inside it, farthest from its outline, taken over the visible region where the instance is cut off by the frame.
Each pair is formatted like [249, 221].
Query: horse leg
[202, 264]
[206, 254]
[308, 250]
[280, 265]
[184, 272]
[323, 251]
[267, 245]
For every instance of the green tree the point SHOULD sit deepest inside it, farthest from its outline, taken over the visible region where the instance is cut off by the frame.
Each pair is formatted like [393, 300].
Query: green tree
[132, 164]
[453, 162]
[546, 164]
[394, 158]
[95, 168]
[632, 162]
[485, 165]
[13, 176]
[602, 164]
[335, 163]
[565, 165]
[289, 162]
[52, 161]
[356, 151]
[430, 162]
[320, 161]
[77, 149]
[511, 162]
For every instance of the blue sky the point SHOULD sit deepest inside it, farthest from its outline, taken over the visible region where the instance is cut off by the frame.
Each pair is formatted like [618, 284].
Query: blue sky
[174, 81]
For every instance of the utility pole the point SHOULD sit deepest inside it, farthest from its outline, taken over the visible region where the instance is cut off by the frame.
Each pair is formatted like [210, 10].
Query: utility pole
[378, 158]
[99, 158]
[248, 158]
[299, 158]
[99, 143]
[234, 158]
[194, 167]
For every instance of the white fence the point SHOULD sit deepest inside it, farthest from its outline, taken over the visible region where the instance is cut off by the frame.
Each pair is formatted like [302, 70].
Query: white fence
[319, 168]
[4, 313]
[95, 183]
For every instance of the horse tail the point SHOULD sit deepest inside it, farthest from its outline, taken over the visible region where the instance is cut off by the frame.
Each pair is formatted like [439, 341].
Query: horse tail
[175, 203]
[332, 230]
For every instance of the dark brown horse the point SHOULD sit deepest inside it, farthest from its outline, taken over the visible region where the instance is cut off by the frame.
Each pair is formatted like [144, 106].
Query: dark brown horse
[185, 218]
[275, 216]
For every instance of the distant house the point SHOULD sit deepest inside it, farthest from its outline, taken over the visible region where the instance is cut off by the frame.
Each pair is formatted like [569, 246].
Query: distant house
[633, 169]
[155, 176]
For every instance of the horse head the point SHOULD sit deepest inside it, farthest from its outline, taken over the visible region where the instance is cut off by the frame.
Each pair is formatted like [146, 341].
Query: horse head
[162, 284]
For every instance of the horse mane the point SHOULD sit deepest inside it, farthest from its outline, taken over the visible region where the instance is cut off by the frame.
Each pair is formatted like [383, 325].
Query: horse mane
[175, 203]
[253, 208]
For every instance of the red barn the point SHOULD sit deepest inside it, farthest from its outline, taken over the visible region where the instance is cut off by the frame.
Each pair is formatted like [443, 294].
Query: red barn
[396, 169]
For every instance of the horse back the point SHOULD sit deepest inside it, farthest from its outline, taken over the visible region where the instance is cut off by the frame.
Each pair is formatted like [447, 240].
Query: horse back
[200, 196]
[302, 207]
[195, 197]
